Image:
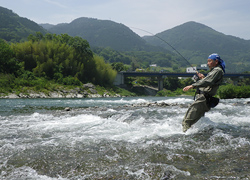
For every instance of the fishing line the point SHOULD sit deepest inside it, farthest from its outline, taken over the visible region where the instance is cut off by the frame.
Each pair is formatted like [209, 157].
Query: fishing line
[167, 44]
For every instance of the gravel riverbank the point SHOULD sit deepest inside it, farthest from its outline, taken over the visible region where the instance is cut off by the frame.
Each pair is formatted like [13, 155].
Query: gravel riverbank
[86, 91]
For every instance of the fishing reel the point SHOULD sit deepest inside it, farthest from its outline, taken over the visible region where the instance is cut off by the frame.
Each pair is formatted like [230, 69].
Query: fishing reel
[195, 78]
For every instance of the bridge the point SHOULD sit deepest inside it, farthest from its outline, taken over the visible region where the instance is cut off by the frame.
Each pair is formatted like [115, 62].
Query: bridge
[161, 75]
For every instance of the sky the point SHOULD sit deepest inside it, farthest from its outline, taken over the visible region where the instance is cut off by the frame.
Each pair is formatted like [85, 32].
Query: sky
[230, 17]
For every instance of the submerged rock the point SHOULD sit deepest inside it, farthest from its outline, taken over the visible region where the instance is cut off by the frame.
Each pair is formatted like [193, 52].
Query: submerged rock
[248, 102]
[67, 109]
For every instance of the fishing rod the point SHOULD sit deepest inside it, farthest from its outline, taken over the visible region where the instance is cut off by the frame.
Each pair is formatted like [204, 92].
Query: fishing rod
[196, 76]
[169, 45]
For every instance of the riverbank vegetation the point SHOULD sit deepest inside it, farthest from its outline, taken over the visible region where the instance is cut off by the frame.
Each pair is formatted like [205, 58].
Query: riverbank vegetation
[28, 85]
[46, 63]
[172, 86]
[62, 58]
[230, 91]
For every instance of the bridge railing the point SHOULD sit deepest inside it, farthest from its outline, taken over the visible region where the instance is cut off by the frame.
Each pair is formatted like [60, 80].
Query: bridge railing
[132, 73]
[120, 76]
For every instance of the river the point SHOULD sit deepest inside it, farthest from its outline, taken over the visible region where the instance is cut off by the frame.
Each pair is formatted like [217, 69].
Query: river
[111, 138]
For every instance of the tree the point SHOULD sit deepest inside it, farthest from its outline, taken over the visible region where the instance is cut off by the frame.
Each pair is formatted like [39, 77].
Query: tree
[63, 58]
[172, 83]
[8, 64]
[104, 74]
[118, 66]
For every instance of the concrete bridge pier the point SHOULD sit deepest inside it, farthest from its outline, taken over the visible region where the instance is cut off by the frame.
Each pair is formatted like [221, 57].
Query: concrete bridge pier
[119, 79]
[160, 83]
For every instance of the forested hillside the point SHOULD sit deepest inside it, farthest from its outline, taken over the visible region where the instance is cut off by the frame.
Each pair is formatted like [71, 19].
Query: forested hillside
[140, 59]
[32, 59]
[193, 40]
[103, 33]
[118, 43]
[196, 41]
[15, 28]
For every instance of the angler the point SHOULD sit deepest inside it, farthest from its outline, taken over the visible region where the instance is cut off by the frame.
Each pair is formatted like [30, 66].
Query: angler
[206, 89]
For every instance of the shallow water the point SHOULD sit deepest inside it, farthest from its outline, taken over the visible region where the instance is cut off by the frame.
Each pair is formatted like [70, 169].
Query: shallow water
[108, 138]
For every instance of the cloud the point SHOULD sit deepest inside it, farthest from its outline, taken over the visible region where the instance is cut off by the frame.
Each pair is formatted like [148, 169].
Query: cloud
[56, 3]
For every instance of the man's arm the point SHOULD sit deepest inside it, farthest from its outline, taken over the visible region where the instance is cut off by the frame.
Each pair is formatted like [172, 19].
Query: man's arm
[188, 87]
[210, 79]
[201, 76]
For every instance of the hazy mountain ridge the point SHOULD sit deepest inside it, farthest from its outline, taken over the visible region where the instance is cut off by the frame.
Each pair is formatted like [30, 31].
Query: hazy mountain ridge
[196, 41]
[103, 33]
[193, 40]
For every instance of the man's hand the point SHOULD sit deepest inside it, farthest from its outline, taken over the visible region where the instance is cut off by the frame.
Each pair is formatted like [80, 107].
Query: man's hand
[187, 88]
[201, 76]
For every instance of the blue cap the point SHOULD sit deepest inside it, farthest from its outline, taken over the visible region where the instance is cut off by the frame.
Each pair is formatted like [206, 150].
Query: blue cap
[214, 56]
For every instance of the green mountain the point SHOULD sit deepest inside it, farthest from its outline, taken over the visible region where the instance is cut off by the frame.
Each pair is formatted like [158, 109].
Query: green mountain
[16, 28]
[196, 41]
[103, 33]
[193, 40]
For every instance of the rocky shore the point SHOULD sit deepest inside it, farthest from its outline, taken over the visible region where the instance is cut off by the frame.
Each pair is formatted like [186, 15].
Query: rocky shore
[86, 91]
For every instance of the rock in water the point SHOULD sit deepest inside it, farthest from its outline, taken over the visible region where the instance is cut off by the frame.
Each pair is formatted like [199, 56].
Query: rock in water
[67, 109]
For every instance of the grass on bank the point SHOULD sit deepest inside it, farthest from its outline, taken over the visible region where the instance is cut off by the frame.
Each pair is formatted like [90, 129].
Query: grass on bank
[25, 85]
[230, 91]
[28, 83]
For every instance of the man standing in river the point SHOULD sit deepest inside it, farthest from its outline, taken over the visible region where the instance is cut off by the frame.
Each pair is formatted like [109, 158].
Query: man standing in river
[206, 89]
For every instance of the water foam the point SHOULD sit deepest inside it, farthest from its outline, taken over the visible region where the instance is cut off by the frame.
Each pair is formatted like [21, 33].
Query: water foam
[24, 172]
[108, 137]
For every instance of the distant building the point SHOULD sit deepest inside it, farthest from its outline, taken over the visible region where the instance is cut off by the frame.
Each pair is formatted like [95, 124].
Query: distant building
[191, 69]
[139, 70]
[204, 65]
[153, 65]
[194, 69]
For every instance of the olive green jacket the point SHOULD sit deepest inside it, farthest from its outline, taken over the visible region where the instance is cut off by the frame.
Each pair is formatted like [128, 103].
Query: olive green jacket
[211, 82]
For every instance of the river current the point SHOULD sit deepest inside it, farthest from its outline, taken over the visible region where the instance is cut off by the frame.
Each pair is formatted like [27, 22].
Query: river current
[113, 138]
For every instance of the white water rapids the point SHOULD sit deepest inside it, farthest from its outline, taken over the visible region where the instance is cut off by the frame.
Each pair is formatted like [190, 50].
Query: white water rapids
[108, 138]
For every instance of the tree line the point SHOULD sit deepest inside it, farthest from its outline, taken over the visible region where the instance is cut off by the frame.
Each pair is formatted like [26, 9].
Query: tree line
[62, 58]
[70, 61]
